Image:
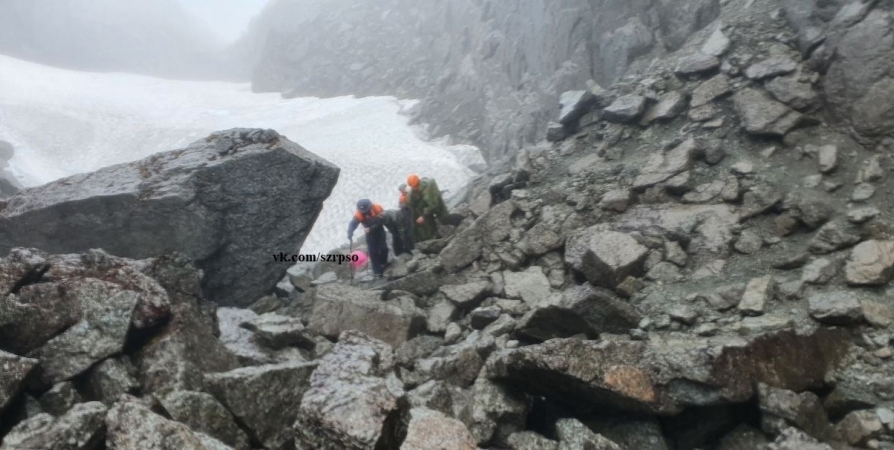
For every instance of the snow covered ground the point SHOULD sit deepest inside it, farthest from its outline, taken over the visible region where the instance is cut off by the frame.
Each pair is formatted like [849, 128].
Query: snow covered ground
[64, 122]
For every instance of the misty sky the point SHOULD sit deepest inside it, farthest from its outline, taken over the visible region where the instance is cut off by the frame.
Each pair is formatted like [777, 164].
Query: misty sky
[227, 18]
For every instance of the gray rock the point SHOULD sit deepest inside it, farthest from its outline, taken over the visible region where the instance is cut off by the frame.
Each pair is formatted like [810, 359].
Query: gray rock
[616, 200]
[15, 369]
[277, 331]
[573, 435]
[717, 44]
[743, 437]
[764, 116]
[859, 426]
[696, 63]
[710, 90]
[425, 282]
[580, 309]
[467, 295]
[468, 244]
[239, 340]
[529, 440]
[871, 263]
[417, 348]
[202, 413]
[669, 105]
[453, 333]
[833, 236]
[782, 409]
[555, 132]
[184, 201]
[704, 193]
[772, 67]
[683, 314]
[349, 405]
[840, 307]
[430, 429]
[458, 364]
[483, 316]
[819, 271]
[74, 310]
[674, 253]
[496, 413]
[60, 398]
[574, 105]
[440, 316]
[111, 378]
[757, 293]
[789, 90]
[541, 239]
[181, 353]
[662, 167]
[811, 208]
[625, 109]
[606, 258]
[338, 308]
[666, 374]
[863, 192]
[81, 428]
[130, 425]
[748, 243]
[531, 285]
[827, 158]
[265, 399]
[795, 439]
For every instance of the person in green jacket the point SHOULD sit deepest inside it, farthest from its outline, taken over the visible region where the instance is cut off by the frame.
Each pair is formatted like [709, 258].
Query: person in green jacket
[426, 206]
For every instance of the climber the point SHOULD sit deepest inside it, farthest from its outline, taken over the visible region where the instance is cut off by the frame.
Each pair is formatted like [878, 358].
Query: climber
[370, 215]
[400, 224]
[426, 207]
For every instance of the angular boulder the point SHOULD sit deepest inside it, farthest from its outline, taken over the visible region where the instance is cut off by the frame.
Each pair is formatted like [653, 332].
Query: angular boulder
[468, 244]
[625, 109]
[841, 307]
[531, 285]
[605, 258]
[80, 428]
[201, 412]
[661, 167]
[338, 308]
[764, 116]
[132, 426]
[13, 370]
[666, 375]
[430, 429]
[264, 398]
[574, 105]
[871, 263]
[187, 200]
[467, 295]
[349, 404]
[580, 309]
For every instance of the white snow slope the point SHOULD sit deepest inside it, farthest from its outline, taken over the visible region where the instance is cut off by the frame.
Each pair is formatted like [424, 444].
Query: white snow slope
[64, 122]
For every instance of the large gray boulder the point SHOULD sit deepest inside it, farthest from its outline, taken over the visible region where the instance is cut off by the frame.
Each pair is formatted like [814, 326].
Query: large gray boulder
[133, 426]
[72, 311]
[469, 243]
[871, 263]
[338, 308]
[81, 428]
[667, 374]
[227, 202]
[264, 398]
[605, 257]
[204, 414]
[13, 370]
[349, 404]
[580, 309]
[429, 429]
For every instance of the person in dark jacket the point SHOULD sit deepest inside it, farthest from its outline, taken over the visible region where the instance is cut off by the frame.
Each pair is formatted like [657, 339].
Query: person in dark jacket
[371, 216]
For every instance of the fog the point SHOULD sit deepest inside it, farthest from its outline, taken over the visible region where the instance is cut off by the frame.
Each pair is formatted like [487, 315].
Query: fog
[185, 39]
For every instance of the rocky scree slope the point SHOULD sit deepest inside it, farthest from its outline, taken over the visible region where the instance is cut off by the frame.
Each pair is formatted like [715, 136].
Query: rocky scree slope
[701, 257]
[488, 72]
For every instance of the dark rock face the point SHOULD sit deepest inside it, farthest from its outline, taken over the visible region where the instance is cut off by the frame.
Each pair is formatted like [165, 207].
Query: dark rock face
[132, 425]
[187, 200]
[15, 369]
[664, 376]
[81, 428]
[496, 84]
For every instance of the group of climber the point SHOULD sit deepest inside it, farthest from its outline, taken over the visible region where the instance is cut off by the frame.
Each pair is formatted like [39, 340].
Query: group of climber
[421, 209]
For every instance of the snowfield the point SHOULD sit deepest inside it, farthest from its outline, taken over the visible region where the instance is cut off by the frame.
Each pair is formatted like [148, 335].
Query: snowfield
[63, 122]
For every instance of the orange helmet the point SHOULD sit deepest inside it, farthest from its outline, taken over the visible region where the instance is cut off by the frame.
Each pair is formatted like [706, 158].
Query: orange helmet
[413, 181]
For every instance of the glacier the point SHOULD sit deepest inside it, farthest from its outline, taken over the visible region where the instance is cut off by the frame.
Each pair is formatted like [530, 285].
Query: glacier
[62, 122]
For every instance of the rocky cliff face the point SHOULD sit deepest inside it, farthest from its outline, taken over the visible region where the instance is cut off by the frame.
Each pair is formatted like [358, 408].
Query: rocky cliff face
[489, 72]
